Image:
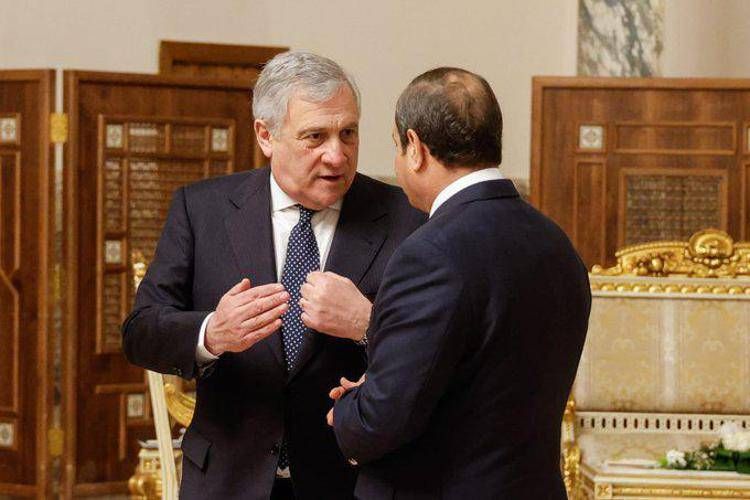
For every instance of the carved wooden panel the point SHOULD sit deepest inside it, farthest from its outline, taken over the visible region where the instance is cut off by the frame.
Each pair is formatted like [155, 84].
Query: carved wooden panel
[26, 370]
[134, 140]
[670, 204]
[144, 159]
[620, 161]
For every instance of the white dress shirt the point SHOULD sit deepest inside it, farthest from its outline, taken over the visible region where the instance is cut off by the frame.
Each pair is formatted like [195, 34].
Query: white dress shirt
[486, 174]
[284, 216]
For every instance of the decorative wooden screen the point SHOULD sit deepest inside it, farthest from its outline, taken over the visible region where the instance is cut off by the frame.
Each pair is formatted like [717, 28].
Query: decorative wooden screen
[134, 140]
[623, 161]
[144, 159]
[25, 362]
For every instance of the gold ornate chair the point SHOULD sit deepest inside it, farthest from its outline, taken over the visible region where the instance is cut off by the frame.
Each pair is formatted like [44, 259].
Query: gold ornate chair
[666, 363]
[158, 473]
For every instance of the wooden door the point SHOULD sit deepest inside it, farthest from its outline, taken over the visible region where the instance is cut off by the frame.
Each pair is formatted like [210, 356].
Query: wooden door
[26, 368]
[619, 161]
[133, 140]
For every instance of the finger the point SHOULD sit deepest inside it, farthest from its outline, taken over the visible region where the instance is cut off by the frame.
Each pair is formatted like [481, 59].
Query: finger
[244, 284]
[257, 335]
[259, 306]
[336, 392]
[329, 417]
[309, 322]
[331, 274]
[347, 384]
[307, 305]
[306, 290]
[258, 292]
[263, 319]
[314, 277]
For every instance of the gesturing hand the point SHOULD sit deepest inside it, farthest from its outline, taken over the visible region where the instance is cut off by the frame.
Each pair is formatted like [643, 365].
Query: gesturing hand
[337, 392]
[245, 315]
[333, 305]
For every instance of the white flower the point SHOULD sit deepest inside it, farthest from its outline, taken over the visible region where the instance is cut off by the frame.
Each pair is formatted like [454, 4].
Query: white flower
[676, 459]
[734, 438]
[739, 441]
[728, 429]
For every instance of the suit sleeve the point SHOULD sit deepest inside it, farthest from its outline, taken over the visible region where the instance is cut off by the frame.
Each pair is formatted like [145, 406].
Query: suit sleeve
[161, 333]
[417, 337]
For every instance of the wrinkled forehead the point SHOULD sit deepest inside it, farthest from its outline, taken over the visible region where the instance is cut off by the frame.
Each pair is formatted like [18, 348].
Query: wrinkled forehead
[339, 108]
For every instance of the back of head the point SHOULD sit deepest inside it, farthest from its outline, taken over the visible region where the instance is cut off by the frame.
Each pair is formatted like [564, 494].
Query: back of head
[455, 113]
[317, 78]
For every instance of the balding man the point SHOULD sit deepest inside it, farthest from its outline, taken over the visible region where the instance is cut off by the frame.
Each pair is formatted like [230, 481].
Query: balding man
[479, 324]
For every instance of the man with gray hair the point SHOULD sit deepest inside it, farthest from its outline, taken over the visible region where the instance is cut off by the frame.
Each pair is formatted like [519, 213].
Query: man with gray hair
[221, 300]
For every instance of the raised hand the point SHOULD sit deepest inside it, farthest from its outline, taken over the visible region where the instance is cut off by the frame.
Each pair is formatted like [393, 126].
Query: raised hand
[244, 316]
[333, 305]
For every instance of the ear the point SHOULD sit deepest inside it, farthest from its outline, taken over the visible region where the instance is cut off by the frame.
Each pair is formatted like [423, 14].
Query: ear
[415, 151]
[263, 136]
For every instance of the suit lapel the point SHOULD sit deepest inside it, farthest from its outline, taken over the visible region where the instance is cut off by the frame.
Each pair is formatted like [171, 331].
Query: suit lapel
[251, 234]
[360, 233]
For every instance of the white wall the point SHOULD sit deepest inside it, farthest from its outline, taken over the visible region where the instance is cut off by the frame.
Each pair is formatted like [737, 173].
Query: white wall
[384, 44]
[707, 38]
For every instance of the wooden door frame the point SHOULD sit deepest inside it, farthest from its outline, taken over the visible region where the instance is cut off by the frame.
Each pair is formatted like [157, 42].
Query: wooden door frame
[47, 287]
[172, 52]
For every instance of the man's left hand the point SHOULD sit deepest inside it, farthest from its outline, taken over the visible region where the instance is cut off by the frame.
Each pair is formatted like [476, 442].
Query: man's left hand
[333, 305]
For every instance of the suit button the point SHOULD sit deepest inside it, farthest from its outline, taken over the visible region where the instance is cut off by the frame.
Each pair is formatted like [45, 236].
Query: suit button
[275, 449]
[178, 372]
[353, 462]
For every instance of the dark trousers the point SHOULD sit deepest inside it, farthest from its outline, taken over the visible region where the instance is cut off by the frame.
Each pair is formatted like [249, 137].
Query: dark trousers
[282, 489]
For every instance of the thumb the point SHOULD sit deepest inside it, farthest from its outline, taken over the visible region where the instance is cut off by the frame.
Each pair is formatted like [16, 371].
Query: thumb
[243, 285]
[348, 384]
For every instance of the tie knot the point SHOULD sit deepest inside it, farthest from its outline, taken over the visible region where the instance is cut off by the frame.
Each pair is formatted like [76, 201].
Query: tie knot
[305, 214]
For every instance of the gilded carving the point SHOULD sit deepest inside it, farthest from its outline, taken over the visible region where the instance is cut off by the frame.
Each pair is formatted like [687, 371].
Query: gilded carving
[180, 405]
[146, 483]
[571, 458]
[710, 253]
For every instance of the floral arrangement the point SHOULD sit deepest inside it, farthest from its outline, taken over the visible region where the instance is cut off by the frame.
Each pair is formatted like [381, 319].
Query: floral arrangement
[730, 453]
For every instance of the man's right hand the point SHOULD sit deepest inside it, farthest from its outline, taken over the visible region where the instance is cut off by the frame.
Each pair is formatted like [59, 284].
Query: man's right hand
[245, 315]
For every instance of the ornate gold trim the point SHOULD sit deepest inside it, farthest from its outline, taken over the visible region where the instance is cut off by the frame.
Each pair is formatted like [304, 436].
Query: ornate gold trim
[58, 128]
[710, 253]
[671, 492]
[615, 285]
[180, 405]
[571, 453]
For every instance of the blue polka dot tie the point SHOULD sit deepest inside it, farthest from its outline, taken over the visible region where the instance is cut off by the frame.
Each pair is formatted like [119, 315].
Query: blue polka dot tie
[302, 257]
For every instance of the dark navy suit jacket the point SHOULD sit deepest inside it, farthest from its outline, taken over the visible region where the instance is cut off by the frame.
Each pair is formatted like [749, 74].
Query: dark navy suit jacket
[217, 232]
[476, 335]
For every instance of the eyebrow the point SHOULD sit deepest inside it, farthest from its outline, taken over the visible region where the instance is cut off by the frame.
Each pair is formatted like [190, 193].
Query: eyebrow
[305, 131]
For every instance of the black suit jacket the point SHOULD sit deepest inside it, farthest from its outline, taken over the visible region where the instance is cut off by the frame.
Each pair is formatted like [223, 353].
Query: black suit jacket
[217, 232]
[474, 343]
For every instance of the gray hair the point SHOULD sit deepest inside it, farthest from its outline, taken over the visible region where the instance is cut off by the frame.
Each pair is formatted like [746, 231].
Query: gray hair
[316, 77]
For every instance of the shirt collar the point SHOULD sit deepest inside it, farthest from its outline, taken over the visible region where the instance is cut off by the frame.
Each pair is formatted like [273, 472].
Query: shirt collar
[485, 174]
[281, 201]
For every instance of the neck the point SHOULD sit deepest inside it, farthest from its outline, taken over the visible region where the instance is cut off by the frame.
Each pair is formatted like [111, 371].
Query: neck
[444, 176]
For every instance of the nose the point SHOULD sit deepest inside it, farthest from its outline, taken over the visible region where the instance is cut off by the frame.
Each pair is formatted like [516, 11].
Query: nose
[334, 153]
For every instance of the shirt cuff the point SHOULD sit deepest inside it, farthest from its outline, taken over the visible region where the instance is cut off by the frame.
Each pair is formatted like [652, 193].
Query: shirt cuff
[202, 355]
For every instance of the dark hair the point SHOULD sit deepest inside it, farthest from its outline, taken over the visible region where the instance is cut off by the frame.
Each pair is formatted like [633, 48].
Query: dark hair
[456, 114]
